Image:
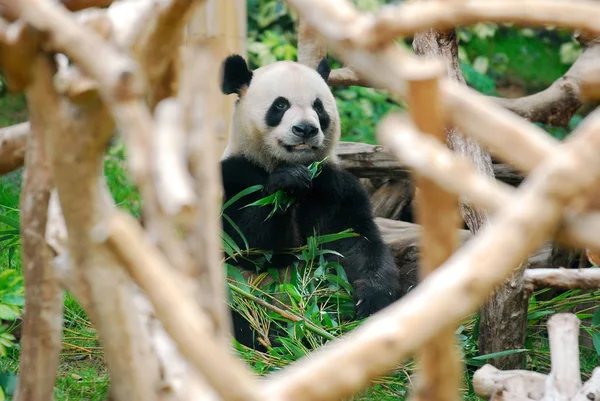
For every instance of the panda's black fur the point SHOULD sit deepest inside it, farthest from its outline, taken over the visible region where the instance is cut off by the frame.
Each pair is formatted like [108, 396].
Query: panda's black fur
[333, 201]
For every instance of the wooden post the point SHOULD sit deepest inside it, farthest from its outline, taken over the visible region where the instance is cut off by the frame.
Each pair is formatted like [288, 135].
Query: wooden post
[438, 213]
[225, 21]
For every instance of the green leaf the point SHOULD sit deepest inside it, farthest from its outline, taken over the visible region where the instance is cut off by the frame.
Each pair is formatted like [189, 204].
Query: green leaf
[596, 330]
[10, 222]
[267, 200]
[241, 194]
[237, 229]
[323, 239]
[13, 299]
[240, 281]
[499, 354]
[315, 168]
[230, 243]
[8, 383]
[7, 313]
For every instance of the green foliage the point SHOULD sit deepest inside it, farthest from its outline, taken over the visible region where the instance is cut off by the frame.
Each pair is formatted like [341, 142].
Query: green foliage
[509, 55]
[12, 297]
[360, 111]
[120, 184]
[271, 32]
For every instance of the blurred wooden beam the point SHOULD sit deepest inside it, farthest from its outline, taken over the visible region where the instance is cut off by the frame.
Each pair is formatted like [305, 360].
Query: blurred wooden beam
[225, 22]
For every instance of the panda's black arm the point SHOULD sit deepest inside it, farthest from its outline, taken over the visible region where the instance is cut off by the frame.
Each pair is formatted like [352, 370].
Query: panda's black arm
[368, 262]
[261, 233]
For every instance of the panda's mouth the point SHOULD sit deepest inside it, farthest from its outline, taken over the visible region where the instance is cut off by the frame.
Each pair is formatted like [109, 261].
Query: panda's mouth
[299, 147]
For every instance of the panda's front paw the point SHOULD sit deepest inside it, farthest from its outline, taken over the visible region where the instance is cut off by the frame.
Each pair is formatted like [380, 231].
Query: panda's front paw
[293, 179]
[371, 299]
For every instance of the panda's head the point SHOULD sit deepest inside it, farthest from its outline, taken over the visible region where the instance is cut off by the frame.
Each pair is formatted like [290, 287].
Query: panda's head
[285, 112]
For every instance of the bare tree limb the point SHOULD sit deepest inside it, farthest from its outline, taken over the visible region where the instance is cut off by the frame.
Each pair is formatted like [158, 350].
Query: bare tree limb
[438, 213]
[503, 319]
[487, 380]
[345, 77]
[310, 49]
[204, 120]
[564, 379]
[588, 278]
[374, 31]
[457, 175]
[42, 327]
[173, 299]
[555, 105]
[9, 13]
[13, 141]
[591, 389]
[173, 181]
[127, 349]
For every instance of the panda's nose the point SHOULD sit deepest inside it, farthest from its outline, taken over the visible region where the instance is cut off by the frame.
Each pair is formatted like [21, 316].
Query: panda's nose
[305, 130]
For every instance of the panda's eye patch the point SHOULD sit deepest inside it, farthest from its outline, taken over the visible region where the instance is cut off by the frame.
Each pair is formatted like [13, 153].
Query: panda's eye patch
[324, 119]
[318, 106]
[276, 111]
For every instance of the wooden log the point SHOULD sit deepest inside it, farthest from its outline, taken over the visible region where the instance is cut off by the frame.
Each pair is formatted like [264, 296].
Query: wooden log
[400, 235]
[375, 161]
[391, 198]
[488, 380]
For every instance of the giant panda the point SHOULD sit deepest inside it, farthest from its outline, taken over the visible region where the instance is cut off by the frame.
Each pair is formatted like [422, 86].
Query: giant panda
[286, 118]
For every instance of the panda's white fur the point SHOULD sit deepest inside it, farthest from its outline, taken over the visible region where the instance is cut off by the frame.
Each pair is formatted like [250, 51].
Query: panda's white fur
[301, 85]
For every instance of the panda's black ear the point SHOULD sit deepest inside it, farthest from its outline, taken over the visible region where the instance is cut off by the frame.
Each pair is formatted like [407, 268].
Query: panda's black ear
[324, 69]
[235, 74]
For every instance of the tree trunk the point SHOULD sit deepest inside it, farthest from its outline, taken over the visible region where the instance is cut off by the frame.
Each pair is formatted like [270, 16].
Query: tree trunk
[503, 321]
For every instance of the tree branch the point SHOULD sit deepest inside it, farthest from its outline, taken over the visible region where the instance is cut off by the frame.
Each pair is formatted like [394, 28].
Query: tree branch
[487, 380]
[562, 278]
[555, 105]
[13, 141]
[437, 210]
[406, 19]
[204, 121]
[458, 175]
[172, 296]
[564, 379]
[42, 327]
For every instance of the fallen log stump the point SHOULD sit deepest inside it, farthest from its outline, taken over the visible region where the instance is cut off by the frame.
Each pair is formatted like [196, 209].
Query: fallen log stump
[562, 383]
[374, 161]
[403, 239]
